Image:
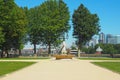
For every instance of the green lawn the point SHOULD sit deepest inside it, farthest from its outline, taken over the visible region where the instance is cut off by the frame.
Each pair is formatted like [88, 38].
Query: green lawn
[113, 66]
[99, 58]
[8, 67]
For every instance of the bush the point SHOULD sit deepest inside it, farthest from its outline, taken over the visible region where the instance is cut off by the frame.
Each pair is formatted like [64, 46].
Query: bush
[89, 50]
[108, 48]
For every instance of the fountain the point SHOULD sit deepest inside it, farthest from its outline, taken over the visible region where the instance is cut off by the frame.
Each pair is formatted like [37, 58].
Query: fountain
[63, 53]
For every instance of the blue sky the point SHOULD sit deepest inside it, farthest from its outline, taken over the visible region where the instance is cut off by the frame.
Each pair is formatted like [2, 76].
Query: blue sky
[107, 10]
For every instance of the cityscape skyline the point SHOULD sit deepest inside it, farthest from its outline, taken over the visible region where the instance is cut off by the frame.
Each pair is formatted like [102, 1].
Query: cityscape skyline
[104, 39]
[108, 13]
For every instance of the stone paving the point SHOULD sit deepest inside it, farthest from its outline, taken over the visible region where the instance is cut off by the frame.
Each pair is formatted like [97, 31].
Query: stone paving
[64, 69]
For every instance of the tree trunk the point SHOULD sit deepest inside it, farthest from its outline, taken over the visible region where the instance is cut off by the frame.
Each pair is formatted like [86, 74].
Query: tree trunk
[34, 49]
[78, 52]
[6, 52]
[2, 53]
[20, 52]
[112, 55]
[49, 48]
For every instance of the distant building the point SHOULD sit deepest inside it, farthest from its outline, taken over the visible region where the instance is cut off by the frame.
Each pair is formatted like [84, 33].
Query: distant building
[27, 52]
[113, 39]
[102, 38]
[108, 37]
[118, 39]
[92, 42]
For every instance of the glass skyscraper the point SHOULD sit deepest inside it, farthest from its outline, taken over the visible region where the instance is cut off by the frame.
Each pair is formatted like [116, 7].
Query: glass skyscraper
[118, 39]
[112, 39]
[102, 38]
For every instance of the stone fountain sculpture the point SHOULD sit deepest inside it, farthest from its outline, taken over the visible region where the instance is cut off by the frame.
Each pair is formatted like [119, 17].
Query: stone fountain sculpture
[63, 48]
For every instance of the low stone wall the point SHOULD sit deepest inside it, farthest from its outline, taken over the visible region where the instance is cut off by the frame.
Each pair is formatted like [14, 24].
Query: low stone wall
[101, 55]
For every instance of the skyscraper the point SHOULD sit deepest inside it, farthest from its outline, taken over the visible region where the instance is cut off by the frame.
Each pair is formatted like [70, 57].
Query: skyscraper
[102, 38]
[118, 39]
[108, 37]
[92, 42]
[113, 39]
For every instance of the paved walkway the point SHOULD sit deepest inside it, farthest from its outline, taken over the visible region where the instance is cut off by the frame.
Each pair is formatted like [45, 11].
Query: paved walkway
[62, 70]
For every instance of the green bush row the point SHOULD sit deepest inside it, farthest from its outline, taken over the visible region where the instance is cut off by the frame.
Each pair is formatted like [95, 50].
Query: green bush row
[107, 49]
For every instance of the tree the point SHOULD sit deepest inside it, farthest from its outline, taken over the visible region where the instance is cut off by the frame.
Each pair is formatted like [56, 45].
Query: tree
[35, 29]
[55, 21]
[13, 23]
[85, 25]
[117, 47]
[49, 22]
[6, 7]
[89, 50]
[19, 27]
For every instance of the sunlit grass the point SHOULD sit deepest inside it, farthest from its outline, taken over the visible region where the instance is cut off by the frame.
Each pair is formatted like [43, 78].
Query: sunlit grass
[8, 67]
[113, 66]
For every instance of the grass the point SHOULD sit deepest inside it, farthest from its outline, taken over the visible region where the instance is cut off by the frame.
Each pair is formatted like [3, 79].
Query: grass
[99, 58]
[8, 67]
[113, 66]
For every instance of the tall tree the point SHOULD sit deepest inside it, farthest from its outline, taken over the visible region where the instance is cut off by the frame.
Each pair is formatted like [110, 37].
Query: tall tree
[49, 22]
[55, 21]
[19, 27]
[35, 30]
[6, 7]
[85, 25]
[13, 22]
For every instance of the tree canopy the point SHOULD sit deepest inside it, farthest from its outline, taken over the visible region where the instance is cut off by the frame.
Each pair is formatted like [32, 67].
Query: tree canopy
[85, 25]
[13, 24]
[48, 22]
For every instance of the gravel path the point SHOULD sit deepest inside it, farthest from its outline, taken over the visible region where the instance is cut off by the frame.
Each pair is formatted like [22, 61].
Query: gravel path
[62, 70]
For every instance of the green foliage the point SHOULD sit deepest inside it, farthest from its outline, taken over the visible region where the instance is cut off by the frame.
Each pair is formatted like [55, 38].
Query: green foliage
[117, 48]
[85, 25]
[89, 50]
[5, 20]
[73, 48]
[54, 19]
[114, 66]
[13, 23]
[18, 27]
[8, 67]
[108, 48]
[48, 22]
[1, 36]
[57, 42]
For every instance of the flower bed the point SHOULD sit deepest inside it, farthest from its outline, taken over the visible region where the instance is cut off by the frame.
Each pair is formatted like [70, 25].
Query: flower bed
[63, 56]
